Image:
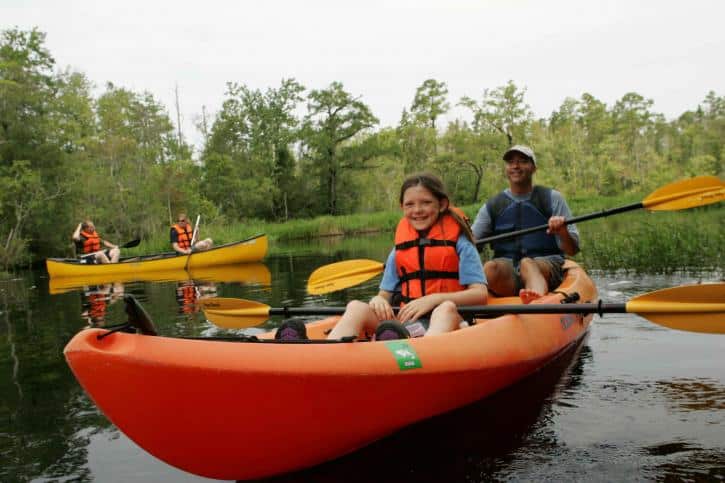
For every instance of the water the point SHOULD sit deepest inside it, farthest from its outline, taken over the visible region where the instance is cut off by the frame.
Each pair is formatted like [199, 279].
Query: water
[633, 402]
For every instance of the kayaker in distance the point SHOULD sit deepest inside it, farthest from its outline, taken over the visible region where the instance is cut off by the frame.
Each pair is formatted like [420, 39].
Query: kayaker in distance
[530, 265]
[452, 274]
[181, 235]
[89, 244]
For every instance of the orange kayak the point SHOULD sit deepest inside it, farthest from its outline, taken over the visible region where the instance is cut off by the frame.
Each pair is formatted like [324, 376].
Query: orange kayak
[236, 410]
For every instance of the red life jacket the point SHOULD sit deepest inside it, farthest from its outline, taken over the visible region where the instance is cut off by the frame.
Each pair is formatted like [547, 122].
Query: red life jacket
[427, 265]
[184, 235]
[92, 242]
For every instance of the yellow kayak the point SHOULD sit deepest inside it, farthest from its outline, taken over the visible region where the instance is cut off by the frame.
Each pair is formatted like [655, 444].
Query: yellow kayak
[250, 250]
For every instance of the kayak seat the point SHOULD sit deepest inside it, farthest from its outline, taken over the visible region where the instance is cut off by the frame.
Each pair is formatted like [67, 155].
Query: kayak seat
[291, 330]
[137, 316]
[391, 330]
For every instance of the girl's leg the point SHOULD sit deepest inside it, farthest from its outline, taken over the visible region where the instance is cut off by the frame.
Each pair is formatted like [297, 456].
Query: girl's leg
[358, 316]
[445, 318]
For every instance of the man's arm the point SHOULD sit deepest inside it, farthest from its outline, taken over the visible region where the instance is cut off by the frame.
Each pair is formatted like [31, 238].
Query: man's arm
[76, 236]
[482, 224]
[178, 249]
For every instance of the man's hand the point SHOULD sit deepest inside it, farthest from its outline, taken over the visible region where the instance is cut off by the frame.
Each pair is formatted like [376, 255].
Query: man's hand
[557, 225]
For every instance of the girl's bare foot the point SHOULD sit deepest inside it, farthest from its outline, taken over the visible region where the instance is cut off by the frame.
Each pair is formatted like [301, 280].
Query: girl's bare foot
[527, 295]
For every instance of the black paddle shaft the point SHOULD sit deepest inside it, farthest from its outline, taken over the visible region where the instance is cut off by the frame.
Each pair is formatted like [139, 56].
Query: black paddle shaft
[592, 308]
[591, 216]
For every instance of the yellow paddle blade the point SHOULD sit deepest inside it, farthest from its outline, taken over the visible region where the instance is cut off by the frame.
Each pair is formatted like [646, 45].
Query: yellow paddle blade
[687, 193]
[230, 313]
[337, 276]
[694, 308]
[224, 303]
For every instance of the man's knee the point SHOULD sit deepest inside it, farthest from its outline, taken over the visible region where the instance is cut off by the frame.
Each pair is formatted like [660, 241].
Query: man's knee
[493, 269]
[204, 244]
[527, 264]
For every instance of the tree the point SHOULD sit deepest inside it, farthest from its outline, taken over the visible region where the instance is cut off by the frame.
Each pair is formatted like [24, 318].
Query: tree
[22, 196]
[254, 130]
[26, 86]
[631, 115]
[334, 117]
[417, 143]
[503, 110]
[430, 102]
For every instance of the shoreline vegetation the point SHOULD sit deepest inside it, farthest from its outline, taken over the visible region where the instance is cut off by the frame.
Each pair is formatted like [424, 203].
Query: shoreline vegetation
[638, 240]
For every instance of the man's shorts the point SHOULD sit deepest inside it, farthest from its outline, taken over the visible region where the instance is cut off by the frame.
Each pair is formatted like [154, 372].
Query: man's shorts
[556, 272]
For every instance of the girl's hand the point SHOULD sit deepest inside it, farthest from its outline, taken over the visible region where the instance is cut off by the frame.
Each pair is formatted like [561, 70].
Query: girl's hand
[418, 308]
[381, 307]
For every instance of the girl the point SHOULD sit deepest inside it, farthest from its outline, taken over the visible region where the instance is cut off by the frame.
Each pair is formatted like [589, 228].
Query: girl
[451, 274]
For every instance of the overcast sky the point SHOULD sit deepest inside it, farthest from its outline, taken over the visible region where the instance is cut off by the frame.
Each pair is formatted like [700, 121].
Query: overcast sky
[668, 51]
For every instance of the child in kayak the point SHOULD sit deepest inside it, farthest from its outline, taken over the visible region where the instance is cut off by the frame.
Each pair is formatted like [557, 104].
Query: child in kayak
[431, 231]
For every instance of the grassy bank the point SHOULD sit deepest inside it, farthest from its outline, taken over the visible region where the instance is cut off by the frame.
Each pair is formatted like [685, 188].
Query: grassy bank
[638, 240]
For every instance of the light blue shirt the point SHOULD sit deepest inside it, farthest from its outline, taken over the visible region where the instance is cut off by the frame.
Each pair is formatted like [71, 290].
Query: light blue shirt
[470, 269]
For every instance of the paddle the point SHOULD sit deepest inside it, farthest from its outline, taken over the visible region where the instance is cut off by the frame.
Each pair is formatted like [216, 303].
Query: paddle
[692, 308]
[130, 244]
[680, 195]
[193, 240]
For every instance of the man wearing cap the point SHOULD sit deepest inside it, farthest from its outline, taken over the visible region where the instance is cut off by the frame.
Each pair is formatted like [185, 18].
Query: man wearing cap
[528, 265]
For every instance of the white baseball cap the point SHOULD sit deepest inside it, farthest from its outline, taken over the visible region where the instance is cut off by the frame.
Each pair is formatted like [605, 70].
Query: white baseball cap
[520, 148]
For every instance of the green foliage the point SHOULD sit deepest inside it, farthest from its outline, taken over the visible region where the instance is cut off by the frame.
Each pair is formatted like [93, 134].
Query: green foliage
[430, 101]
[250, 140]
[333, 120]
[287, 155]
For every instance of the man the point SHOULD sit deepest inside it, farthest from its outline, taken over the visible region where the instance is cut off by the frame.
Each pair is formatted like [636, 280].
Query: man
[528, 265]
[89, 243]
[181, 234]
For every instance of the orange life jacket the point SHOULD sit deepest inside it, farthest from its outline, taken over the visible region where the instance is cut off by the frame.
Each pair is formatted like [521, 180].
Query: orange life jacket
[97, 306]
[427, 265]
[186, 296]
[184, 235]
[92, 242]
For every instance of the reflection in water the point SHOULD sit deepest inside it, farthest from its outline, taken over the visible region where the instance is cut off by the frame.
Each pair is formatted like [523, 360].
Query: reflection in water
[252, 273]
[474, 443]
[95, 301]
[189, 292]
[686, 462]
[635, 405]
[694, 394]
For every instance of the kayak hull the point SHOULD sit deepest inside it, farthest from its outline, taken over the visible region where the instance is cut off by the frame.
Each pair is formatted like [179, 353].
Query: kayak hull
[250, 250]
[248, 410]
